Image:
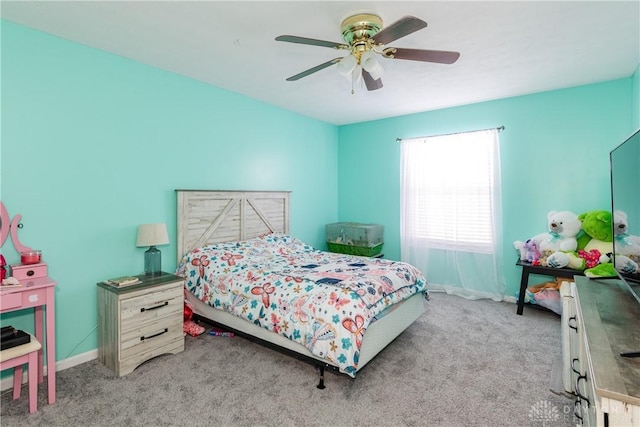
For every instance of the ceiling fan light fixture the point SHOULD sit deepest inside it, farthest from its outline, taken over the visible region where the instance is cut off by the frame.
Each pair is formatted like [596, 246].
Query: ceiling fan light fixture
[347, 65]
[366, 38]
[371, 64]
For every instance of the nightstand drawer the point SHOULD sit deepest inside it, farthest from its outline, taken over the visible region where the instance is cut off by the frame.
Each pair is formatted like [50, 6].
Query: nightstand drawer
[150, 307]
[136, 342]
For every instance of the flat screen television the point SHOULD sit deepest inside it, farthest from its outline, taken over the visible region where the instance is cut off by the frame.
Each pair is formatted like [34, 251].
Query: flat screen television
[625, 197]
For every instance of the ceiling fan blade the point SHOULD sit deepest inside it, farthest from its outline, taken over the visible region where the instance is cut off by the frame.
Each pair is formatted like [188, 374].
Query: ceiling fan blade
[313, 70]
[403, 27]
[439, 56]
[313, 42]
[370, 82]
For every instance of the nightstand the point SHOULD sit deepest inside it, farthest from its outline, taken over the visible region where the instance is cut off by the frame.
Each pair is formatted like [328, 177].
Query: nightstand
[139, 322]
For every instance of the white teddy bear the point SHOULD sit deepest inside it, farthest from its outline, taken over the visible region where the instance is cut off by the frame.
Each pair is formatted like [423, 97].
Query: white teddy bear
[627, 247]
[563, 227]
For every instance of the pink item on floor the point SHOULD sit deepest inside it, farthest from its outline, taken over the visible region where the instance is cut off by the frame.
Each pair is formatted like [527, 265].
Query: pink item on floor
[192, 328]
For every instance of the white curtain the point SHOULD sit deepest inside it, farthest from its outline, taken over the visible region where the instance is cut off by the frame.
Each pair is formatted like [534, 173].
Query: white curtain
[451, 212]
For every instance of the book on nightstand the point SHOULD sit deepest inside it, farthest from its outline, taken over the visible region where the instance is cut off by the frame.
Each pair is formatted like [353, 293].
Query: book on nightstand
[123, 281]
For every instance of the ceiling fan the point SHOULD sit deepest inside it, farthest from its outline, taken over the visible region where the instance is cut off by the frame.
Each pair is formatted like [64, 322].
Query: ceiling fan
[366, 39]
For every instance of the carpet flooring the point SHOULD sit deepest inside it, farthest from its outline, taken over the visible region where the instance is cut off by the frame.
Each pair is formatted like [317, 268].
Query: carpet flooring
[463, 363]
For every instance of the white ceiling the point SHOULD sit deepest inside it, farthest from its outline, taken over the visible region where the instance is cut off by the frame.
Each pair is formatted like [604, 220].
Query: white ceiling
[507, 48]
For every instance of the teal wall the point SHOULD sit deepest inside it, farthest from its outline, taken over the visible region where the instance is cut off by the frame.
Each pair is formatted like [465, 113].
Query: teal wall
[554, 156]
[94, 144]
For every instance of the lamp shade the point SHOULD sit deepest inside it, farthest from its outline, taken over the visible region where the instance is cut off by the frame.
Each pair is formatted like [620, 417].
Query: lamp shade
[152, 235]
[371, 65]
[347, 65]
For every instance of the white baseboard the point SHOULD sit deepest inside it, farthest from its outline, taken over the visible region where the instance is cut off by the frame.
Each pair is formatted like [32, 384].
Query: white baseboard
[469, 294]
[61, 365]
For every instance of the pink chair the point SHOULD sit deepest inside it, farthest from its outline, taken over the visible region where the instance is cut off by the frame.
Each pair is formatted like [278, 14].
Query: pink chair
[17, 356]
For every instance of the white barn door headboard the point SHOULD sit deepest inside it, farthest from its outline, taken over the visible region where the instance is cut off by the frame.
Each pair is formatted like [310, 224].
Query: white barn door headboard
[212, 216]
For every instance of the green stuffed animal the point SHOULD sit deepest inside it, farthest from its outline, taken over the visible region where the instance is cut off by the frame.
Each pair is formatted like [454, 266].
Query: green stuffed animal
[601, 270]
[597, 231]
[598, 235]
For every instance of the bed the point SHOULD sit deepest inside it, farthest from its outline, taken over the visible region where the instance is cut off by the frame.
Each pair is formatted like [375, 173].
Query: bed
[244, 272]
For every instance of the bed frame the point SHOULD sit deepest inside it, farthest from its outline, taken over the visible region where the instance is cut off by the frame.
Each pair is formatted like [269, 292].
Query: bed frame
[209, 216]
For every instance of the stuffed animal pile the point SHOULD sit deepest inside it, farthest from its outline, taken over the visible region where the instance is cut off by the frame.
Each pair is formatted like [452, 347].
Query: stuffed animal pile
[595, 241]
[585, 242]
[582, 242]
[563, 228]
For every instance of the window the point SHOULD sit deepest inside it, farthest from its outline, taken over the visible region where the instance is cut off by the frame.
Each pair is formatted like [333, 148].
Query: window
[448, 184]
[451, 212]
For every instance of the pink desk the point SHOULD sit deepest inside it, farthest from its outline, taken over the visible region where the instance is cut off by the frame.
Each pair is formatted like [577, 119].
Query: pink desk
[37, 294]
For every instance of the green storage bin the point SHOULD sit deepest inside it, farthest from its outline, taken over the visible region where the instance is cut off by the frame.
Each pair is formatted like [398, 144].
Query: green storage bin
[355, 250]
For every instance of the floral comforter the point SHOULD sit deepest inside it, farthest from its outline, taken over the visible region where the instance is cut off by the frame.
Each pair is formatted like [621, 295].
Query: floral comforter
[322, 300]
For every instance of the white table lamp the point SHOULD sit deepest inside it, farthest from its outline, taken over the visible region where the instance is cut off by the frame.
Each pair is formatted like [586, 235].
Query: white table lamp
[152, 235]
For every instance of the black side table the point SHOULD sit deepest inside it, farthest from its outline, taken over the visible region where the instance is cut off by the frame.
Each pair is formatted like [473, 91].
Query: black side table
[528, 268]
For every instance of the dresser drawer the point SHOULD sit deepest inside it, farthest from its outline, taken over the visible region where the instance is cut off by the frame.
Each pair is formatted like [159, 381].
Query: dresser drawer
[137, 341]
[151, 307]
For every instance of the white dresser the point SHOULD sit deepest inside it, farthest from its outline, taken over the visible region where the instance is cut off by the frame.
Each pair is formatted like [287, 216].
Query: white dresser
[601, 319]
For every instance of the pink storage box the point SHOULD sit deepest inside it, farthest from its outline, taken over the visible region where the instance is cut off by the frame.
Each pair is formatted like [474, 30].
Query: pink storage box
[31, 271]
